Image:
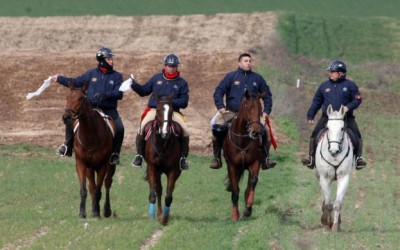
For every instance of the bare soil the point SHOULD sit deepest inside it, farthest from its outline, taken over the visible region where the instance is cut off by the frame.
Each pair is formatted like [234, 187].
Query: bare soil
[34, 48]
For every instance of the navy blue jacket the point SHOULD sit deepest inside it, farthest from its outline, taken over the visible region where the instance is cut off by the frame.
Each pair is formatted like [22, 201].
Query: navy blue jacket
[107, 84]
[162, 86]
[342, 92]
[235, 84]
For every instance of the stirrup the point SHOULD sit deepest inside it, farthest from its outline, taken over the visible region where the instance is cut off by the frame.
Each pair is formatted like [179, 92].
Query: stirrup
[360, 163]
[267, 164]
[308, 162]
[114, 159]
[216, 163]
[183, 163]
[63, 151]
[137, 161]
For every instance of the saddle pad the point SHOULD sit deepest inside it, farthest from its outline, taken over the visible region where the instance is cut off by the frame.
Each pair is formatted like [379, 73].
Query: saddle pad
[175, 129]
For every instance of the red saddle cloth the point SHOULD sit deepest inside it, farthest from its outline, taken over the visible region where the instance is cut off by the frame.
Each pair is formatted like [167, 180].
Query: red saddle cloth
[175, 129]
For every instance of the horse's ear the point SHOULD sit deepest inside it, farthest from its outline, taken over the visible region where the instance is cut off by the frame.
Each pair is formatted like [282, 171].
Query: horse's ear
[85, 87]
[247, 94]
[171, 96]
[329, 110]
[262, 95]
[341, 110]
[156, 96]
[71, 85]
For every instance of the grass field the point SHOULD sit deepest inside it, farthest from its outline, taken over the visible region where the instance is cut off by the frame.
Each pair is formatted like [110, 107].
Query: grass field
[349, 9]
[39, 194]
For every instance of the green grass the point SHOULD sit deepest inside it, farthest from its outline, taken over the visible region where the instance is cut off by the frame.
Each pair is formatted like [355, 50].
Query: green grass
[354, 39]
[356, 8]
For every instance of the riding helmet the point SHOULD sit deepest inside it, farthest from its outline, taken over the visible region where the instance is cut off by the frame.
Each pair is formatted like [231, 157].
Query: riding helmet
[104, 53]
[337, 66]
[171, 60]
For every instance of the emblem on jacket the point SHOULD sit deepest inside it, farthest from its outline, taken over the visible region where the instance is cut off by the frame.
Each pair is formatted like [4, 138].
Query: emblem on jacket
[254, 84]
[159, 82]
[328, 90]
[175, 87]
[94, 79]
[236, 82]
[344, 89]
[111, 82]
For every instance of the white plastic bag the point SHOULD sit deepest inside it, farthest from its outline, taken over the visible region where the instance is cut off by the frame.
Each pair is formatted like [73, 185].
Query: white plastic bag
[44, 86]
[126, 85]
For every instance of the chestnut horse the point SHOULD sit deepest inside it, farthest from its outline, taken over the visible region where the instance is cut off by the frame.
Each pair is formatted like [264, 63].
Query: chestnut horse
[334, 161]
[242, 151]
[93, 145]
[162, 154]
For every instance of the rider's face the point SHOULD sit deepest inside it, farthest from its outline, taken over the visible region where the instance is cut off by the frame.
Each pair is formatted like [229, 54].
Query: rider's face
[245, 63]
[334, 75]
[170, 69]
[110, 61]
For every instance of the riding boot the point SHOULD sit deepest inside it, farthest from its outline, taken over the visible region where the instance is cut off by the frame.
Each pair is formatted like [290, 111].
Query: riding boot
[310, 161]
[140, 144]
[361, 163]
[118, 139]
[184, 144]
[216, 163]
[266, 162]
[66, 148]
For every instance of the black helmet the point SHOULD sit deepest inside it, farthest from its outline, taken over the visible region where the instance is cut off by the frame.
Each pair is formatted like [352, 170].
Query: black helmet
[104, 53]
[337, 66]
[171, 60]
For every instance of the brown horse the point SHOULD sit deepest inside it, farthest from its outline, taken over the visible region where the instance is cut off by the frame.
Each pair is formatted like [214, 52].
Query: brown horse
[162, 154]
[242, 152]
[93, 147]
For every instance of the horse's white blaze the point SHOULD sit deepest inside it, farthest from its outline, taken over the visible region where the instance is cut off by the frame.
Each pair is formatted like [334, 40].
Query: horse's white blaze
[334, 159]
[165, 123]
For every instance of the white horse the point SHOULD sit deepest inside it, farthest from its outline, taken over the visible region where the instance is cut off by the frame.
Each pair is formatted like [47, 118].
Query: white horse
[334, 160]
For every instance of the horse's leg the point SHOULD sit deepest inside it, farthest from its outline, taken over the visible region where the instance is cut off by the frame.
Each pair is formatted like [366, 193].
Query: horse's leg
[234, 187]
[171, 179]
[342, 186]
[250, 190]
[158, 188]
[107, 183]
[80, 170]
[325, 185]
[152, 191]
[90, 174]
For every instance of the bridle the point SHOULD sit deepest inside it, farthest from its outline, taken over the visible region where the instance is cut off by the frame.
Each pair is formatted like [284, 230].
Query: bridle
[248, 122]
[76, 114]
[340, 141]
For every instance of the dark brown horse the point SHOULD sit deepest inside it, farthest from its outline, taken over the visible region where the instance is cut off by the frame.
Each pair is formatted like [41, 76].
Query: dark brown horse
[162, 154]
[242, 152]
[93, 147]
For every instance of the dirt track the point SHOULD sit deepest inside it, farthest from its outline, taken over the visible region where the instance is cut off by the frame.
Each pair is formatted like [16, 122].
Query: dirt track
[34, 48]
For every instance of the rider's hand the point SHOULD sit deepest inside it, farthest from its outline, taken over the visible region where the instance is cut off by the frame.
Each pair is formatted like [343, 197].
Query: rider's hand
[311, 122]
[223, 111]
[345, 109]
[54, 78]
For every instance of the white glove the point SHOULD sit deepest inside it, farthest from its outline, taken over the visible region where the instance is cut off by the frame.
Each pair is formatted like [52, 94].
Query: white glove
[126, 85]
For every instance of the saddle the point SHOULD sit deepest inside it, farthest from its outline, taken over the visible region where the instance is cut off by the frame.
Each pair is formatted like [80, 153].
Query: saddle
[176, 129]
[107, 119]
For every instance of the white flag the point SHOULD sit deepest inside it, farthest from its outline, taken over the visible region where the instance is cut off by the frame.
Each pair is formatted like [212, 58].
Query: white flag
[126, 85]
[44, 86]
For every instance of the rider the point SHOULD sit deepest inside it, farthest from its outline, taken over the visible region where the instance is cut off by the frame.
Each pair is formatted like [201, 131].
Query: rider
[164, 83]
[233, 87]
[337, 91]
[103, 92]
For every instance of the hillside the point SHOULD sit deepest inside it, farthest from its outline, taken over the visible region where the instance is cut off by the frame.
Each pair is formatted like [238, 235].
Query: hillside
[35, 48]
